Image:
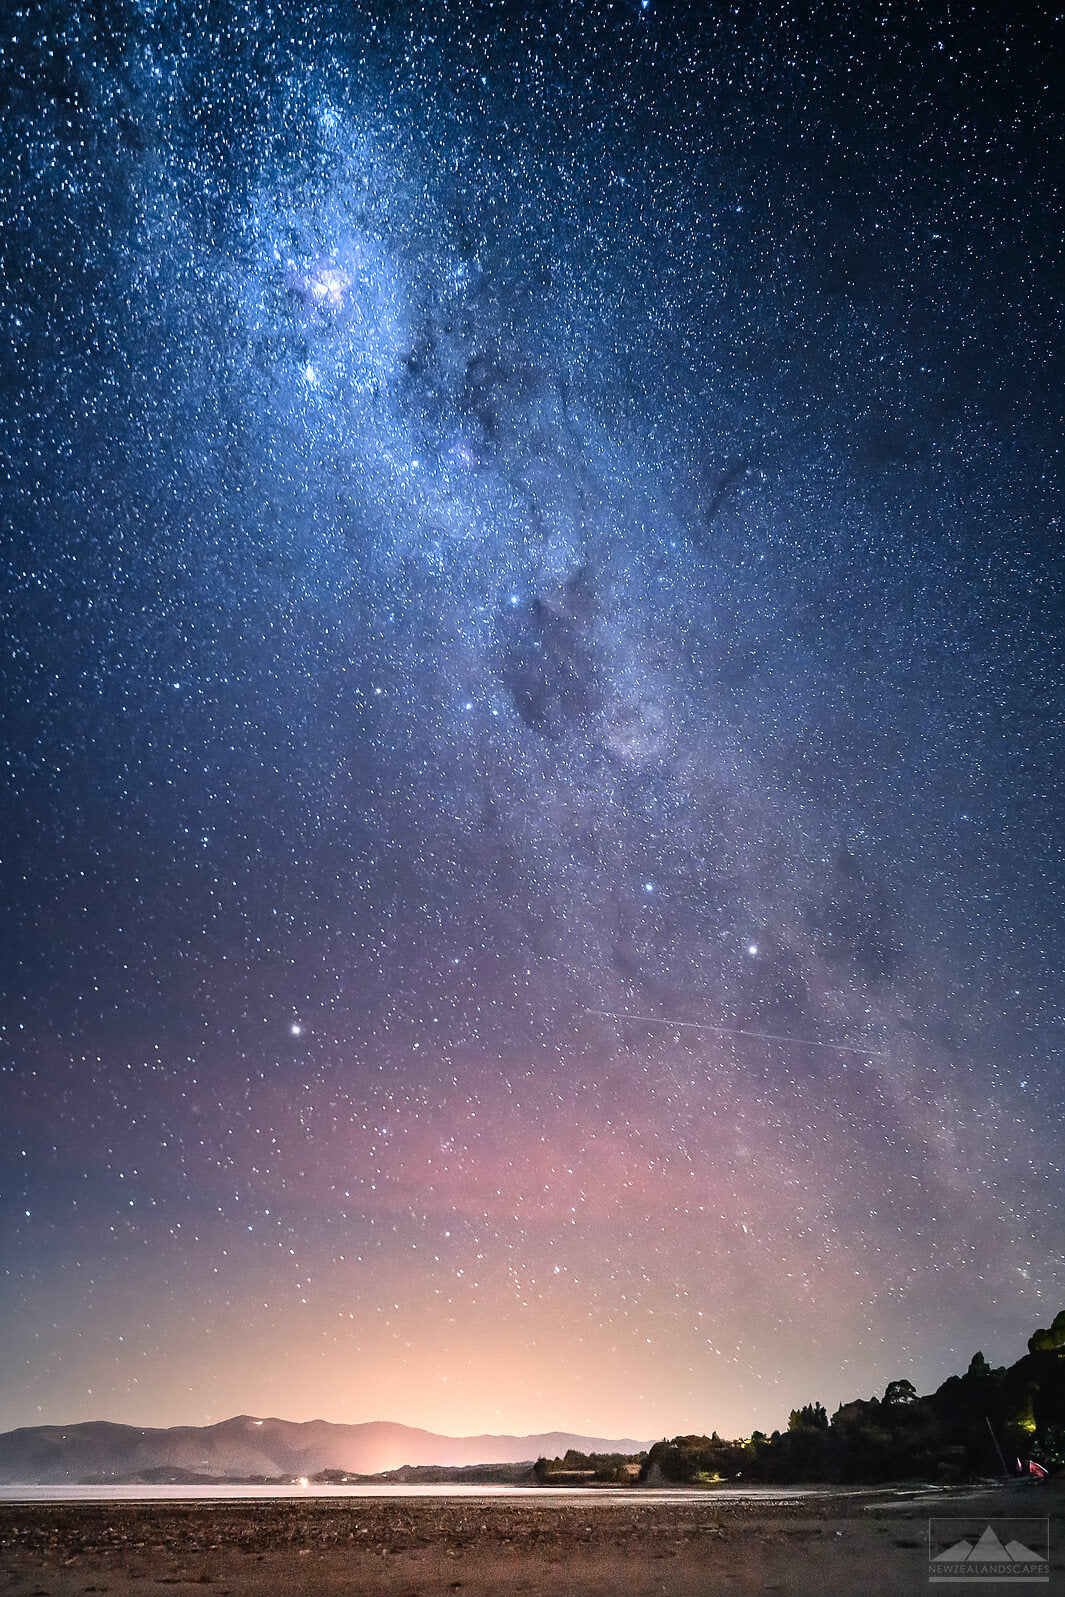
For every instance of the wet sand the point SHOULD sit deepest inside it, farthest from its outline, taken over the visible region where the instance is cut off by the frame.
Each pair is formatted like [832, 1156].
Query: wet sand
[825, 1546]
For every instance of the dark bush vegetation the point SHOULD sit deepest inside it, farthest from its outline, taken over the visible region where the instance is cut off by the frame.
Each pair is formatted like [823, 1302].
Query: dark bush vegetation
[950, 1435]
[953, 1434]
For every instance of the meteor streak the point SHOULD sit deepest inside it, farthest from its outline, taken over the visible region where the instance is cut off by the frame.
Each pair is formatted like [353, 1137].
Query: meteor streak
[738, 1031]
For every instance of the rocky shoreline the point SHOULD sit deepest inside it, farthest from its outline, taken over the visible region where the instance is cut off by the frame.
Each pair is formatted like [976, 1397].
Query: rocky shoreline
[826, 1544]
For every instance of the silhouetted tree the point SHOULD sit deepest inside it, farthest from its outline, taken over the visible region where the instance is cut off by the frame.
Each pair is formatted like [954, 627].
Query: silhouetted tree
[1047, 1341]
[811, 1417]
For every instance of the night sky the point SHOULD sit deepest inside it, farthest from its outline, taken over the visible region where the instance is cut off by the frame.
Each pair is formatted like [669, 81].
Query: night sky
[517, 518]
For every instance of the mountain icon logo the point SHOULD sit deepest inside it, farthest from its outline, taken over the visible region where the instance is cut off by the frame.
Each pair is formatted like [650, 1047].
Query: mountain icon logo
[1007, 1550]
[990, 1549]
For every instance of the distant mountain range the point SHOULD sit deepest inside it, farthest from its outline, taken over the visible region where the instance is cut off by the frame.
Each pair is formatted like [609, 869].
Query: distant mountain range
[245, 1447]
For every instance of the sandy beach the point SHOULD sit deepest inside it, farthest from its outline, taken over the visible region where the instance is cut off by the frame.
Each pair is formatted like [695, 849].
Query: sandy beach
[832, 1545]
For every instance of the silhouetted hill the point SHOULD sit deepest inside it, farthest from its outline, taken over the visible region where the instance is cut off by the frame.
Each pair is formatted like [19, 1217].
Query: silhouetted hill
[269, 1448]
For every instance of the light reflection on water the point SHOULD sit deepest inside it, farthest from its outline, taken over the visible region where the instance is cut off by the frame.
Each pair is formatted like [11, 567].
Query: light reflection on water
[544, 1494]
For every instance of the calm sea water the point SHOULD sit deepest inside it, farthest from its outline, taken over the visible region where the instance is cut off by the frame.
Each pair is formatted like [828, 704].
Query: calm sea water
[244, 1494]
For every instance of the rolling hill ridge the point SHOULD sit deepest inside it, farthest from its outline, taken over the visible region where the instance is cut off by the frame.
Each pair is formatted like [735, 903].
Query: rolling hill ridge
[246, 1446]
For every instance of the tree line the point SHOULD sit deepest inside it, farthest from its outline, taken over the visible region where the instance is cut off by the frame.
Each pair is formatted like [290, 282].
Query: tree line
[973, 1424]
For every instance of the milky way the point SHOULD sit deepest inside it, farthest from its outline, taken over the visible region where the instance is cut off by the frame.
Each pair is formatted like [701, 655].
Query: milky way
[516, 520]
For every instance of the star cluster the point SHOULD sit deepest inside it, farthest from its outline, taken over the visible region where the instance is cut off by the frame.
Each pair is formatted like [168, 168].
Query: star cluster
[533, 654]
